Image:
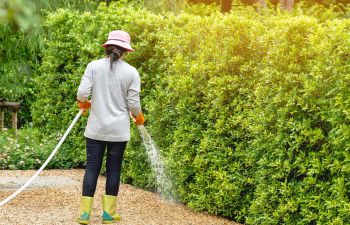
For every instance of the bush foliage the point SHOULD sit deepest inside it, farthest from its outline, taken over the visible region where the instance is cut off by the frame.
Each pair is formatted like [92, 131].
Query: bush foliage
[29, 149]
[250, 112]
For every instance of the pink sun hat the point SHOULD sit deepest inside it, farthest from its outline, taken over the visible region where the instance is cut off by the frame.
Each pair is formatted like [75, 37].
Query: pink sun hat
[119, 38]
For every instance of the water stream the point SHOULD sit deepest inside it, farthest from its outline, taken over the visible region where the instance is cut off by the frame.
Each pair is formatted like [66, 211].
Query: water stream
[164, 184]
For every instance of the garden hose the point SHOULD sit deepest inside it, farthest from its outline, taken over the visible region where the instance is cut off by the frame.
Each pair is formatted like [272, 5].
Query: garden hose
[45, 163]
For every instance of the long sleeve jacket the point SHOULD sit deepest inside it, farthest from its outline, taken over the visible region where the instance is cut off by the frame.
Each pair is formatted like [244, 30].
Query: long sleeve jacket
[114, 93]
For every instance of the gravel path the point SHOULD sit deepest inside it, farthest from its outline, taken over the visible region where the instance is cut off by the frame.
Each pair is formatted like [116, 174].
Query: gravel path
[60, 205]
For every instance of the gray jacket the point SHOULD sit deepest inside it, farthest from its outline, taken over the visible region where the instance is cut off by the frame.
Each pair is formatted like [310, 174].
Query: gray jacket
[113, 94]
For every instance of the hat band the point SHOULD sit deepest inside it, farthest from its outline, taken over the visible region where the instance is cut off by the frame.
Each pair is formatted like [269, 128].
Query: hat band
[117, 40]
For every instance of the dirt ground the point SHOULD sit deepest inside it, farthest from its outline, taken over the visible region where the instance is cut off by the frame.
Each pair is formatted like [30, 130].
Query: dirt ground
[60, 205]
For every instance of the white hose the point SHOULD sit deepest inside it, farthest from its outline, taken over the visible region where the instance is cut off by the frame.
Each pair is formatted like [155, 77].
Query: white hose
[45, 163]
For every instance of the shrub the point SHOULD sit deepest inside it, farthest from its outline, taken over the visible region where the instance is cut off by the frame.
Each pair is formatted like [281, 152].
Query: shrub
[248, 109]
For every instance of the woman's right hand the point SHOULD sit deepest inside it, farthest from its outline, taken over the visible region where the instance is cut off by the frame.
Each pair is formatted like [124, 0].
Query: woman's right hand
[84, 106]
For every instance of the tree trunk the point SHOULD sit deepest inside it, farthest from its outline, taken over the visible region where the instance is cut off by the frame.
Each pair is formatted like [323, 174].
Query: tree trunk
[287, 4]
[263, 3]
[226, 5]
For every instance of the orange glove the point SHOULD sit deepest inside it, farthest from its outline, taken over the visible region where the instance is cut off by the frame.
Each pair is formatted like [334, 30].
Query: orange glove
[84, 106]
[139, 119]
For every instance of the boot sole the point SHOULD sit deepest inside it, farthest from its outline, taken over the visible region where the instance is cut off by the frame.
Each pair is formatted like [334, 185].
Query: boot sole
[109, 222]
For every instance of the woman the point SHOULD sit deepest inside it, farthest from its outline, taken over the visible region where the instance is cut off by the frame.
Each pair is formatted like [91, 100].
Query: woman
[114, 87]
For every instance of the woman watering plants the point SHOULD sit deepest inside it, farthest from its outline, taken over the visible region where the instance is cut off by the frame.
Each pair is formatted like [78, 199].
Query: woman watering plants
[114, 87]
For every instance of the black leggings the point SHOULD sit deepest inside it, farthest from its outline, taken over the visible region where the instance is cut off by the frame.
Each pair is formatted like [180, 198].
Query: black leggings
[94, 154]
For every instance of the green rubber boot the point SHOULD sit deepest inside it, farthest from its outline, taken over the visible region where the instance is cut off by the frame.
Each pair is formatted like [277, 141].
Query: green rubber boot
[109, 204]
[85, 210]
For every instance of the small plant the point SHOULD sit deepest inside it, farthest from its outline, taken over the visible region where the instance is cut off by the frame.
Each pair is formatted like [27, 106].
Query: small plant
[25, 151]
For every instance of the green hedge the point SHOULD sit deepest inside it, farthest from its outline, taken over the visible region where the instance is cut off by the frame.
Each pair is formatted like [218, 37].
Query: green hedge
[251, 112]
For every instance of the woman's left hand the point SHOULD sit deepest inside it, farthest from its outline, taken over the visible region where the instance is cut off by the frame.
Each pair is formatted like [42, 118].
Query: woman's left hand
[139, 119]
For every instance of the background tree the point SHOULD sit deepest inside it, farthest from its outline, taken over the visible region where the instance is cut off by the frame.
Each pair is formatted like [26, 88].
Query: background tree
[18, 13]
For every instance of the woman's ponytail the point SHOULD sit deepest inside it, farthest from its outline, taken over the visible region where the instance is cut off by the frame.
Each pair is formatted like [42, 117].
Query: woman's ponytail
[114, 52]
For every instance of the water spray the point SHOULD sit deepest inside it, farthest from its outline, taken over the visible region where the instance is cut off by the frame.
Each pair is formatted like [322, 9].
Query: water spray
[164, 184]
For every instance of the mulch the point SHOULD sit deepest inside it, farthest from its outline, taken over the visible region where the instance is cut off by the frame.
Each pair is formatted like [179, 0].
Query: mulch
[60, 205]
